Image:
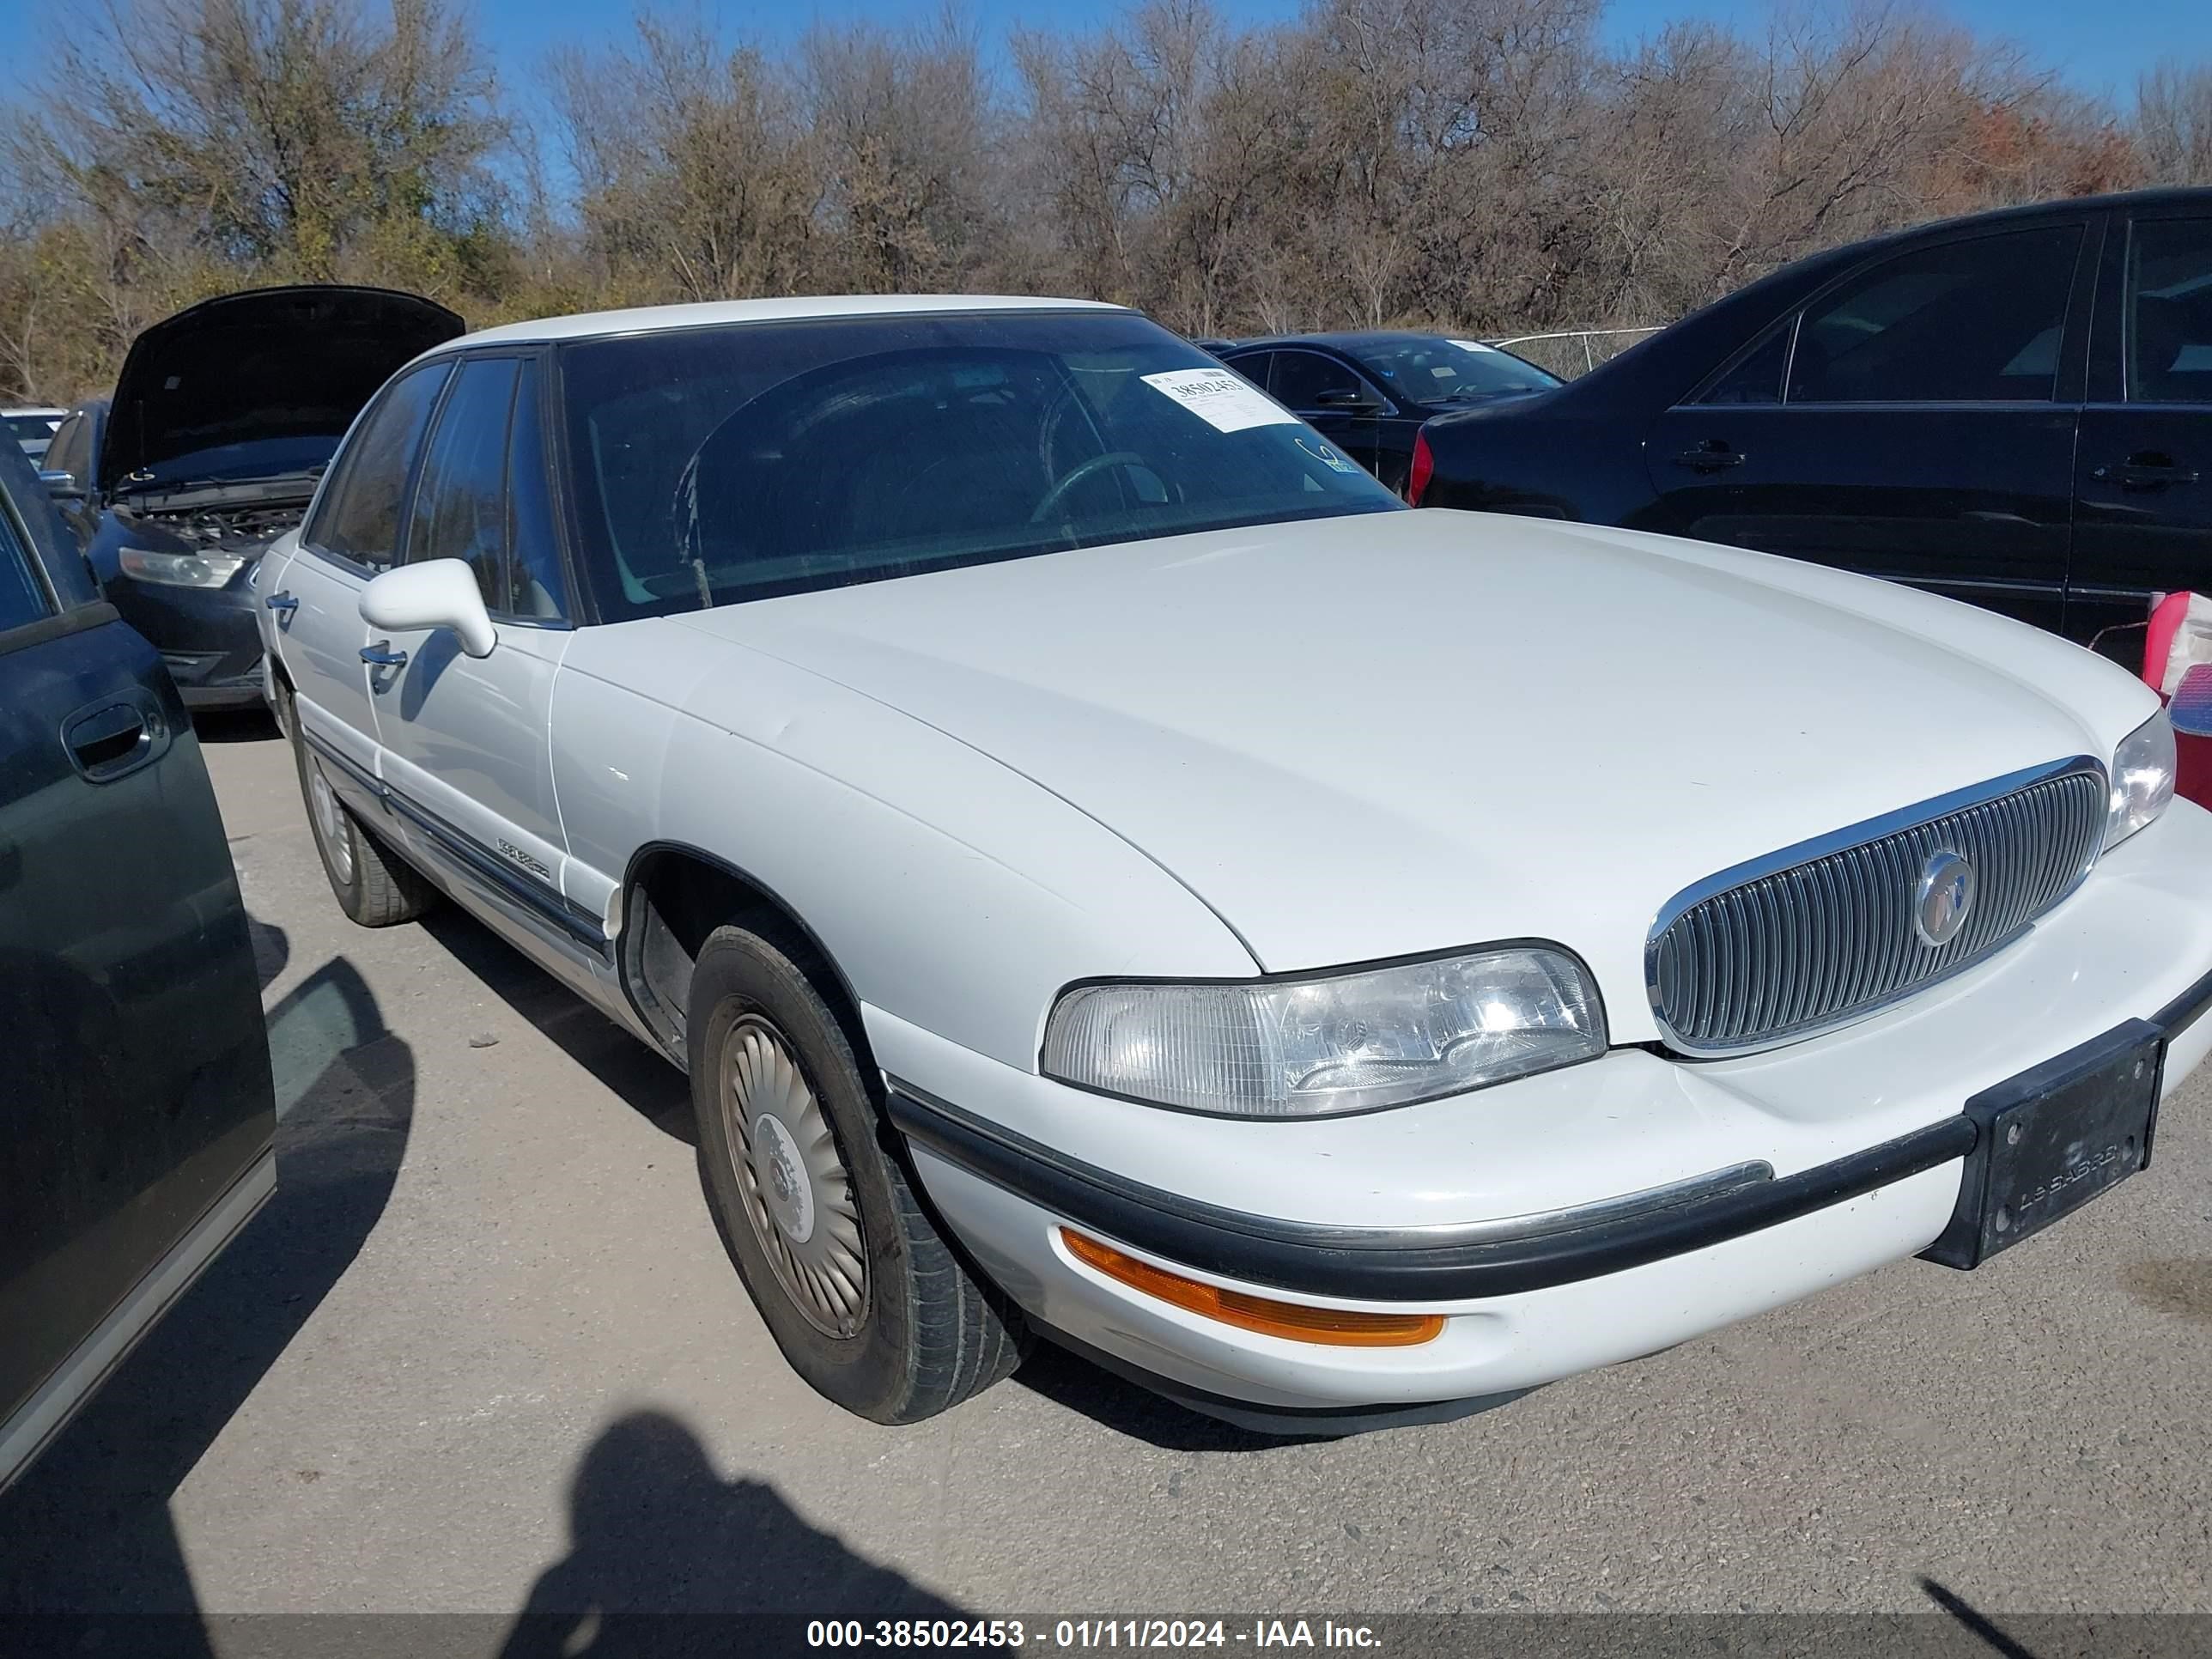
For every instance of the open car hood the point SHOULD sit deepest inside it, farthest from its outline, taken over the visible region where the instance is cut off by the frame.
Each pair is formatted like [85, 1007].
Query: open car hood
[269, 363]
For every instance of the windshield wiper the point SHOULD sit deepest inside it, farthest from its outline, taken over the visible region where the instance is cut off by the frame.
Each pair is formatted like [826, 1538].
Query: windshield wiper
[144, 489]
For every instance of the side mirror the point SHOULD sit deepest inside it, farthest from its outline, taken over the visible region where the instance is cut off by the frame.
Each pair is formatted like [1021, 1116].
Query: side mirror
[62, 486]
[1349, 399]
[436, 593]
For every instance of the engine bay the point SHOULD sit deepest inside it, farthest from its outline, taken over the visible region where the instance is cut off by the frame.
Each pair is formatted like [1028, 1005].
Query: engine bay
[228, 528]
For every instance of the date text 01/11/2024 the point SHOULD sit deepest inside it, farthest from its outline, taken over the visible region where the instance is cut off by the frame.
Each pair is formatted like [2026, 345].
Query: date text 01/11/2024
[1088, 1633]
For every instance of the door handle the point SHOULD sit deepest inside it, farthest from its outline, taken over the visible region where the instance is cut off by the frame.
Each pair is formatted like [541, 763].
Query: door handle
[282, 602]
[381, 655]
[2147, 475]
[1710, 458]
[106, 742]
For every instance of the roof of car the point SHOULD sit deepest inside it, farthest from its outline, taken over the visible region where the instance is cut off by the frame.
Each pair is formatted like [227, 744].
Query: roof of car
[1349, 339]
[31, 409]
[652, 320]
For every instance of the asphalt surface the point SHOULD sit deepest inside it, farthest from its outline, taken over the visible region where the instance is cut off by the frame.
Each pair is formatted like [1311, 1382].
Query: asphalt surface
[484, 1351]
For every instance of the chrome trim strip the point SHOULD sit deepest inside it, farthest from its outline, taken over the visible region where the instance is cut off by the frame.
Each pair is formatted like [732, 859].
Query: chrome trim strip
[1861, 903]
[475, 862]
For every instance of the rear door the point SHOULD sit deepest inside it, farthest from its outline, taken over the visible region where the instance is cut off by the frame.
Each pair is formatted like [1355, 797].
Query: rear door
[2144, 492]
[136, 1118]
[1915, 421]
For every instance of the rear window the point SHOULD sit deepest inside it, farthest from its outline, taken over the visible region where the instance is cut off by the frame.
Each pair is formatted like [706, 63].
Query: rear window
[713, 466]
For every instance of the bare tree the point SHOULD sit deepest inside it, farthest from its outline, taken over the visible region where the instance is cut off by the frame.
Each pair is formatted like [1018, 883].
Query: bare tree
[900, 129]
[2173, 124]
[289, 133]
[1484, 165]
[694, 179]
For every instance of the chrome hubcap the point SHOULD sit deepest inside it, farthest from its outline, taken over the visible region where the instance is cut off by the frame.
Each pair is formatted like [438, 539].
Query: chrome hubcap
[330, 822]
[798, 1193]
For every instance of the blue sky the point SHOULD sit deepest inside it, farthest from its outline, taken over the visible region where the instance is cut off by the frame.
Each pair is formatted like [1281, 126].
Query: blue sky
[2098, 48]
[2101, 48]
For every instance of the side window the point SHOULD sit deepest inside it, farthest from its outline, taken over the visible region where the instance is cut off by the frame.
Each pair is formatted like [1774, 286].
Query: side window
[460, 500]
[1253, 366]
[1974, 321]
[1755, 377]
[1301, 377]
[2169, 325]
[23, 595]
[358, 517]
[533, 556]
[68, 453]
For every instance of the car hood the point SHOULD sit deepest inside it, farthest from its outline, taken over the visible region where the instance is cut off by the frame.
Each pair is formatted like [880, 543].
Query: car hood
[270, 363]
[1373, 736]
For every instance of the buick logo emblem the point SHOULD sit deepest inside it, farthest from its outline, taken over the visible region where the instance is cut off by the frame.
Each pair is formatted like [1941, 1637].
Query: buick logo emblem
[1945, 896]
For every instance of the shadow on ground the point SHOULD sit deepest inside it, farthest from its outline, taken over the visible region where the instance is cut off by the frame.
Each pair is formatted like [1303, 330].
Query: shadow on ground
[640, 1079]
[1113, 1402]
[1972, 1618]
[86, 1529]
[662, 1549]
[255, 725]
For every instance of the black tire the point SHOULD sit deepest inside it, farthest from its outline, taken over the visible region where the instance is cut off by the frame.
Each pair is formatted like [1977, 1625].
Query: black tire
[928, 1331]
[375, 885]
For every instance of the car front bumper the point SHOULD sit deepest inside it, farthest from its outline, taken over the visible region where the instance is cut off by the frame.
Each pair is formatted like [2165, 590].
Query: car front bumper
[1560, 1223]
[210, 638]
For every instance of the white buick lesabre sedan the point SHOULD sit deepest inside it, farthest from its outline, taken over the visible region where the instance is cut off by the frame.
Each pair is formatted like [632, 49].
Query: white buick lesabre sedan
[1108, 870]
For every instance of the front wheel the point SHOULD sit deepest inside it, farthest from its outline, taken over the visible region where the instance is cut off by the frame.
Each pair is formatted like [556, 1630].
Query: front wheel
[373, 885]
[868, 1299]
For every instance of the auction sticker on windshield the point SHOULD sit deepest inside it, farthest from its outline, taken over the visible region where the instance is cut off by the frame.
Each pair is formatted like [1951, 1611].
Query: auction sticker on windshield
[1220, 397]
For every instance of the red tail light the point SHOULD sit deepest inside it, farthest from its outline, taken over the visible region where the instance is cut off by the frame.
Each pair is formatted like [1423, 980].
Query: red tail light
[1416, 480]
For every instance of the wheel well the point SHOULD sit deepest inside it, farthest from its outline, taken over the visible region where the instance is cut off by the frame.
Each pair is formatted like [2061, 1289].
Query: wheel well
[674, 897]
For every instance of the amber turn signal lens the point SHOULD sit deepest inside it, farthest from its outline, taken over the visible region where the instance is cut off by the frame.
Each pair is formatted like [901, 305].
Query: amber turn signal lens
[1332, 1325]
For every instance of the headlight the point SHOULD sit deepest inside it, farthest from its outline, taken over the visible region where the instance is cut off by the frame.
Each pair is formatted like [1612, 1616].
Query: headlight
[181, 570]
[1340, 1043]
[2142, 778]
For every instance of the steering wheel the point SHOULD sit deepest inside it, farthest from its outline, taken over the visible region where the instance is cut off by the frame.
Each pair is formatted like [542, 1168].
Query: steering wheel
[1077, 474]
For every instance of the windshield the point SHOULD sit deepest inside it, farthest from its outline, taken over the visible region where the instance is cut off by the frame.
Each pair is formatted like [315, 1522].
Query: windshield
[240, 462]
[718, 465]
[30, 426]
[1426, 370]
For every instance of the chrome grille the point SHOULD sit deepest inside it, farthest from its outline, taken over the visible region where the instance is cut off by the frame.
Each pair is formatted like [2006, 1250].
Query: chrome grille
[1823, 933]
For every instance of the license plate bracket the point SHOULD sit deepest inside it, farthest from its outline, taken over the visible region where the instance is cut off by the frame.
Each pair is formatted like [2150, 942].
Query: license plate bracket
[2053, 1137]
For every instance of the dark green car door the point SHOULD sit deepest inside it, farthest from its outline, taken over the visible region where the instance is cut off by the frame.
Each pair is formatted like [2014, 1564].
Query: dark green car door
[136, 1113]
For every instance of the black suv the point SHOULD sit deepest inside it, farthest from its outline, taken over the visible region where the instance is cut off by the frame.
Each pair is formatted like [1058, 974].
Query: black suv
[2014, 409]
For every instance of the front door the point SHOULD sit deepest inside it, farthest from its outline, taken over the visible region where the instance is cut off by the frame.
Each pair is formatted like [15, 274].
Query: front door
[2144, 503]
[351, 534]
[1914, 422]
[1336, 401]
[137, 1117]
